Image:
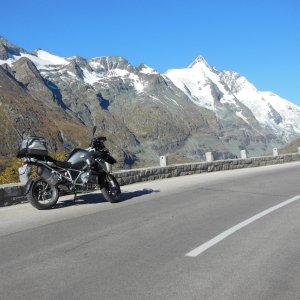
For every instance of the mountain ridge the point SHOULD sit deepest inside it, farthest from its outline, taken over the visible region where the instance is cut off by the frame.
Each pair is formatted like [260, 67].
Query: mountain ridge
[145, 114]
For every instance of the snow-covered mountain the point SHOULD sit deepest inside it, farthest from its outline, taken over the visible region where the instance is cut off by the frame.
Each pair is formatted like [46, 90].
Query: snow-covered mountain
[96, 70]
[146, 114]
[208, 87]
[272, 111]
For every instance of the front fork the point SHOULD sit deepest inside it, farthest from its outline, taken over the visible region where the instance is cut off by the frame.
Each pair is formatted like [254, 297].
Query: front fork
[105, 174]
[104, 178]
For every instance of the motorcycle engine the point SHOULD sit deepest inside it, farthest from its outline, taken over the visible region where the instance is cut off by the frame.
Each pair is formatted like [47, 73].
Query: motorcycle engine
[89, 180]
[85, 177]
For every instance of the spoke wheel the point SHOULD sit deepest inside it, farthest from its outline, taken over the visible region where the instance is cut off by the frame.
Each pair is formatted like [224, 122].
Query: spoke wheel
[111, 191]
[42, 195]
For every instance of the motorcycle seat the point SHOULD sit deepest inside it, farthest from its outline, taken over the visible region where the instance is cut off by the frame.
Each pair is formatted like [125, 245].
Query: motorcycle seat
[63, 164]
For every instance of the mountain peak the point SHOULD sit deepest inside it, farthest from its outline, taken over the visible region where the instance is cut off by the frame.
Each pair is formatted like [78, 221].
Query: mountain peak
[9, 48]
[108, 63]
[199, 61]
[143, 68]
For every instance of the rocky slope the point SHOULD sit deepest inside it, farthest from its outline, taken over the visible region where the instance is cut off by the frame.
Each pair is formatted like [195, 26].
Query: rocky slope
[20, 111]
[144, 114]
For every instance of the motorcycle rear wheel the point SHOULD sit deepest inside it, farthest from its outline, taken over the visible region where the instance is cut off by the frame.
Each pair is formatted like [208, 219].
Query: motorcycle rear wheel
[111, 191]
[42, 195]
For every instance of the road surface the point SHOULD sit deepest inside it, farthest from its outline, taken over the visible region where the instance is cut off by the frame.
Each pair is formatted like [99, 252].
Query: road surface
[226, 235]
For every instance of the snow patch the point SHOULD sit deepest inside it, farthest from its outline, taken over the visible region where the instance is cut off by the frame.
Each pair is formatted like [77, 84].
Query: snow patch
[91, 77]
[42, 59]
[241, 116]
[138, 85]
[117, 73]
[148, 71]
[156, 99]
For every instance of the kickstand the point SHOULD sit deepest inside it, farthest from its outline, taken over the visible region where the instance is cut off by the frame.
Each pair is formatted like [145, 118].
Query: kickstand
[74, 200]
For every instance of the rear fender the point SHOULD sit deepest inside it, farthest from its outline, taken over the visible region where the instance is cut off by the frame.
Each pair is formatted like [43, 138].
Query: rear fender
[28, 186]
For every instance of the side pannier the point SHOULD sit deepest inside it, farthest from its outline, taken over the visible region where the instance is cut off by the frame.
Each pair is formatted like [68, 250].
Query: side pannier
[33, 146]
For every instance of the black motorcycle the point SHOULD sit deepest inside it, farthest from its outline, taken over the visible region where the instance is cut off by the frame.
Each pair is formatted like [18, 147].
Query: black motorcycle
[84, 170]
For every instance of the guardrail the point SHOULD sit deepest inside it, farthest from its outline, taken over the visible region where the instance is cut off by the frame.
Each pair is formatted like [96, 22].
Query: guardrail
[14, 193]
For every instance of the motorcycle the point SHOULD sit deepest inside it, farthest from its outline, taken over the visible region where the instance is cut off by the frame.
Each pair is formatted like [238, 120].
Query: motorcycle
[83, 171]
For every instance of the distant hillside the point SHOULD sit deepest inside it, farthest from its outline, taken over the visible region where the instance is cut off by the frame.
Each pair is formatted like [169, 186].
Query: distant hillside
[291, 148]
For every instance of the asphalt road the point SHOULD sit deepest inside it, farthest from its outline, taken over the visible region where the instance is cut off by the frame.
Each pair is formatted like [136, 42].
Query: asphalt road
[137, 249]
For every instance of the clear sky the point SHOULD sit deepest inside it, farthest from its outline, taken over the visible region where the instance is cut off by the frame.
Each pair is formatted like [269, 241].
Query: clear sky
[260, 39]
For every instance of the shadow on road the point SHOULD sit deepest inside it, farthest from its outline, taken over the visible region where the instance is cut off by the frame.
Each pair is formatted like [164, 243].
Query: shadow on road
[129, 195]
[98, 198]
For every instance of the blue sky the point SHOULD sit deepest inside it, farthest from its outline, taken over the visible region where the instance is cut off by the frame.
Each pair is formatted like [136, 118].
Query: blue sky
[258, 39]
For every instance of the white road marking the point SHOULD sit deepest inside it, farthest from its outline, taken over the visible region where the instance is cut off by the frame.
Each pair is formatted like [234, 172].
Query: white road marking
[237, 227]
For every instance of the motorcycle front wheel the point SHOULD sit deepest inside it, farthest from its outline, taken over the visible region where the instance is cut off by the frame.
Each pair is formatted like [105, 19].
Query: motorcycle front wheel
[42, 195]
[111, 190]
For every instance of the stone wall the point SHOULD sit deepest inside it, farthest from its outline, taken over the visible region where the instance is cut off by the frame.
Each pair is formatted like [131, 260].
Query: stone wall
[139, 175]
[14, 193]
